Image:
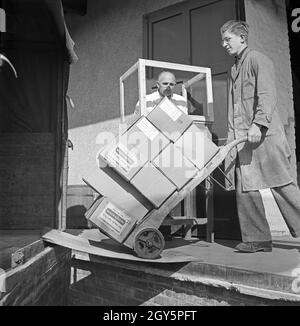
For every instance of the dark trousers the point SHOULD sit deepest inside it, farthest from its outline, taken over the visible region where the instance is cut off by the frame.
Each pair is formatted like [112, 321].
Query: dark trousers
[251, 212]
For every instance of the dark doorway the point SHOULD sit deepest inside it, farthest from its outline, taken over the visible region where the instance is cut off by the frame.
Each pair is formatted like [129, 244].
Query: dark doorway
[189, 33]
[33, 119]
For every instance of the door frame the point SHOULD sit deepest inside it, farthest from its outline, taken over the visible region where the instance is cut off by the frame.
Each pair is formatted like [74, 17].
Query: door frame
[184, 6]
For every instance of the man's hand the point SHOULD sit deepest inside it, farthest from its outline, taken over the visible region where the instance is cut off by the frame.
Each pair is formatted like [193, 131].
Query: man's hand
[254, 134]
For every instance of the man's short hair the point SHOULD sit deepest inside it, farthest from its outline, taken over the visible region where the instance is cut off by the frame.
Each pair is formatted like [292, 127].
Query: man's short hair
[236, 27]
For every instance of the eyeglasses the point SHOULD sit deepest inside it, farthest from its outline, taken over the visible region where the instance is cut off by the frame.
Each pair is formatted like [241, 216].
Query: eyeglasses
[168, 84]
[226, 40]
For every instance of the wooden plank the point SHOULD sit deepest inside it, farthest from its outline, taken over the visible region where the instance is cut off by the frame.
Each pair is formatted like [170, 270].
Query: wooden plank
[182, 220]
[122, 102]
[194, 80]
[129, 72]
[86, 247]
[209, 95]
[142, 86]
[175, 66]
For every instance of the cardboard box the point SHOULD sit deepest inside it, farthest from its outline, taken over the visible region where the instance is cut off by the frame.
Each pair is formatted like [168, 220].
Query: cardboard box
[109, 184]
[169, 119]
[110, 219]
[153, 185]
[132, 150]
[177, 168]
[196, 146]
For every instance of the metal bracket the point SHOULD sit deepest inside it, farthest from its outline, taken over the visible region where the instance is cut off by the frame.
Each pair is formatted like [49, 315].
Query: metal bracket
[17, 259]
[70, 144]
[218, 183]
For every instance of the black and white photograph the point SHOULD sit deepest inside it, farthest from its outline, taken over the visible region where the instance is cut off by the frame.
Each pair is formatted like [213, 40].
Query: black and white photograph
[149, 156]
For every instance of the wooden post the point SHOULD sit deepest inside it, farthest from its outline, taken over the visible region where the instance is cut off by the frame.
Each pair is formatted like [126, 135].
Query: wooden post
[142, 85]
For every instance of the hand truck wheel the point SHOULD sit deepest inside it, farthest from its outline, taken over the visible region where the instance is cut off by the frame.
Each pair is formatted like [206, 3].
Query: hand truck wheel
[149, 243]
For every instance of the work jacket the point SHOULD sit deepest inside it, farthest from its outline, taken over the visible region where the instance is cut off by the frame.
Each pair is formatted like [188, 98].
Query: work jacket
[252, 99]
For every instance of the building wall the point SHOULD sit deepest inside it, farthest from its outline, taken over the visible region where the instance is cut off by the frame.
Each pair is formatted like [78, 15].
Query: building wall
[114, 283]
[269, 34]
[109, 40]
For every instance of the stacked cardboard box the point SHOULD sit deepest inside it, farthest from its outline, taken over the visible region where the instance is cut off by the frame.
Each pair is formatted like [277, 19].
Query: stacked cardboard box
[110, 218]
[110, 184]
[175, 166]
[195, 145]
[153, 184]
[169, 119]
[157, 156]
[131, 151]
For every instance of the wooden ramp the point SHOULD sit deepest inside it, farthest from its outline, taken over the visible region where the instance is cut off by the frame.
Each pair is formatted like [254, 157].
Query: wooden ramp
[111, 249]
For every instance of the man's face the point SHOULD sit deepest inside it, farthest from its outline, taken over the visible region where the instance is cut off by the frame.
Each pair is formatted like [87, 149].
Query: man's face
[166, 84]
[232, 43]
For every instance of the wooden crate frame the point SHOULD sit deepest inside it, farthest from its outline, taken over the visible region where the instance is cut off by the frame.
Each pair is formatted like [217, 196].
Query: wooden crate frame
[140, 67]
[208, 119]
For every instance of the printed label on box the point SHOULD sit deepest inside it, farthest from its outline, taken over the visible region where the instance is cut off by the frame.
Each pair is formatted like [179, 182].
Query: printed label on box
[114, 219]
[122, 157]
[148, 129]
[171, 110]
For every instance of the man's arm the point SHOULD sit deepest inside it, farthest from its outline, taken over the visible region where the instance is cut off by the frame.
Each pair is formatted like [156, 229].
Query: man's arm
[265, 90]
[266, 97]
[230, 133]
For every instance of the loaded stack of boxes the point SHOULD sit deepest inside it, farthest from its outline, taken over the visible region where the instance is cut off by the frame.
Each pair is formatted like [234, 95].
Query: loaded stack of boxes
[156, 157]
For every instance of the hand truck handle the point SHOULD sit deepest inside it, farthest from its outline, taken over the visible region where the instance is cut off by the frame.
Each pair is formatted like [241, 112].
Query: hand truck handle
[234, 143]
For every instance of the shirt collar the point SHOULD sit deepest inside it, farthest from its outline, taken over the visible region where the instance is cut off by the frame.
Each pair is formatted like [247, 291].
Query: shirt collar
[239, 56]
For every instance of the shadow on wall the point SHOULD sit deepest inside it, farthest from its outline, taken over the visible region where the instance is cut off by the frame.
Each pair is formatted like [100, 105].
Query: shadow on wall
[79, 199]
[76, 218]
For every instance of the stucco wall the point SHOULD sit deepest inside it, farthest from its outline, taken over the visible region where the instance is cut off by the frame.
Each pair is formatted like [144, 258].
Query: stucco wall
[269, 34]
[109, 40]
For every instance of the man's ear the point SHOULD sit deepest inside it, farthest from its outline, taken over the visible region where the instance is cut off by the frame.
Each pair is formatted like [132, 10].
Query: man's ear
[243, 38]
